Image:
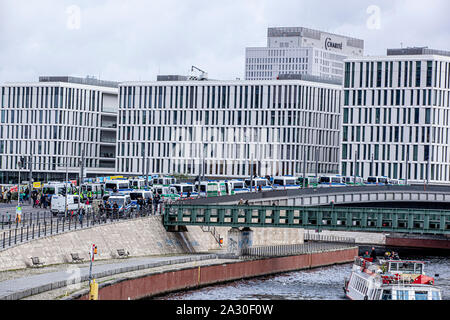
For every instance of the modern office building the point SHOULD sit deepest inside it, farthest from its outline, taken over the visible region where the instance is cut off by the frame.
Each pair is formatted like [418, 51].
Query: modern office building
[276, 126]
[396, 116]
[301, 51]
[54, 121]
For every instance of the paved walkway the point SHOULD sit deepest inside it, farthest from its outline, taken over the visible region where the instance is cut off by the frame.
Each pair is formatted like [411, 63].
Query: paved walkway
[20, 287]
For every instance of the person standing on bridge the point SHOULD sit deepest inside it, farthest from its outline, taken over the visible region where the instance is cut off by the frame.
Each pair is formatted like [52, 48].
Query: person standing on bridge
[8, 196]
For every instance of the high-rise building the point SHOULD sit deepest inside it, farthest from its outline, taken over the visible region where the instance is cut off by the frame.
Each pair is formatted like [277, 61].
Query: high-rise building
[278, 126]
[396, 116]
[301, 51]
[52, 122]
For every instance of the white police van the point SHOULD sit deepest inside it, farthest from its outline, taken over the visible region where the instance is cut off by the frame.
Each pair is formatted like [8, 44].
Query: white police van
[58, 204]
[124, 203]
[135, 195]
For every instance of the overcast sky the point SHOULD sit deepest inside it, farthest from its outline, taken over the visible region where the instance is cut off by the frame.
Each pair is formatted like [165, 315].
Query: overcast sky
[137, 40]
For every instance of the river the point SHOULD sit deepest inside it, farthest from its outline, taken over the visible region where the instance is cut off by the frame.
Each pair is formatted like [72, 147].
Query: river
[316, 284]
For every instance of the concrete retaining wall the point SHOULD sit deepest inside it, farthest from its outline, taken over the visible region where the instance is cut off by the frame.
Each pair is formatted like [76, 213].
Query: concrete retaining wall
[140, 237]
[207, 275]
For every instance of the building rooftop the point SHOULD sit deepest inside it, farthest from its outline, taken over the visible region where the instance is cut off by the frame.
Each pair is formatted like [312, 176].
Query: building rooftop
[417, 51]
[86, 81]
[310, 33]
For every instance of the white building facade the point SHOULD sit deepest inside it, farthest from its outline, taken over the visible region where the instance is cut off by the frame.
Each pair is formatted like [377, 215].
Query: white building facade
[276, 126]
[53, 121]
[396, 116]
[301, 51]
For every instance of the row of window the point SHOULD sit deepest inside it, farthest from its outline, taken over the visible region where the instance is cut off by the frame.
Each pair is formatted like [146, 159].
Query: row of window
[230, 118]
[395, 134]
[239, 97]
[230, 135]
[37, 147]
[213, 167]
[46, 163]
[392, 116]
[398, 97]
[388, 152]
[77, 118]
[415, 171]
[391, 74]
[51, 97]
[229, 151]
[69, 133]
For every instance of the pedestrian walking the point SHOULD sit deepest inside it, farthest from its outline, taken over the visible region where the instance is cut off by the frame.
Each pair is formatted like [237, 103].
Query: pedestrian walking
[8, 196]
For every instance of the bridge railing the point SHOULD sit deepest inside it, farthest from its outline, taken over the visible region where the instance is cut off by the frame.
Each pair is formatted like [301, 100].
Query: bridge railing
[36, 225]
[315, 218]
[328, 238]
[294, 249]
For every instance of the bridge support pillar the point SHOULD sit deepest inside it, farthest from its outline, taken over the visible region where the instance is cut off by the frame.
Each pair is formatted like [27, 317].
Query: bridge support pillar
[239, 240]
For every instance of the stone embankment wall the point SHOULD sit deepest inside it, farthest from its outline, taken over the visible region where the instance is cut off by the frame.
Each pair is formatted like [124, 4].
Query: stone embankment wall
[194, 277]
[140, 237]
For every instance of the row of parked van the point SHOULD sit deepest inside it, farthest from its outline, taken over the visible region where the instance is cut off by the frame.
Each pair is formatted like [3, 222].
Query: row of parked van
[126, 192]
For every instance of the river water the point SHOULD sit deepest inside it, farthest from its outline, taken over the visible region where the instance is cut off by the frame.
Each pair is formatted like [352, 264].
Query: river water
[316, 284]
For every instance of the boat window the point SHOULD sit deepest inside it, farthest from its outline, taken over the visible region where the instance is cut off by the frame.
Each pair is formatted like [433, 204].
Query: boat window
[435, 295]
[290, 182]
[178, 188]
[123, 186]
[372, 180]
[421, 295]
[406, 267]
[402, 295]
[418, 268]
[393, 266]
[278, 182]
[187, 189]
[387, 295]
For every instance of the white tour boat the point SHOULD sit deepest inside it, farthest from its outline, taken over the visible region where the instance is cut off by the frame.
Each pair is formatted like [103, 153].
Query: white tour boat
[390, 280]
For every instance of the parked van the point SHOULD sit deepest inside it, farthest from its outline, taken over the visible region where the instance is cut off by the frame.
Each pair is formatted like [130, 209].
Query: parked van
[124, 203]
[58, 204]
[137, 183]
[184, 188]
[215, 189]
[166, 193]
[286, 182]
[332, 181]
[258, 182]
[309, 182]
[120, 185]
[350, 181]
[135, 195]
[95, 188]
[236, 187]
[55, 188]
[379, 181]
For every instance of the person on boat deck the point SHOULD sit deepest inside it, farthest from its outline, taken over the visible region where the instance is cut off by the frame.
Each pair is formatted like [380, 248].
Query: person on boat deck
[366, 255]
[387, 255]
[373, 254]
